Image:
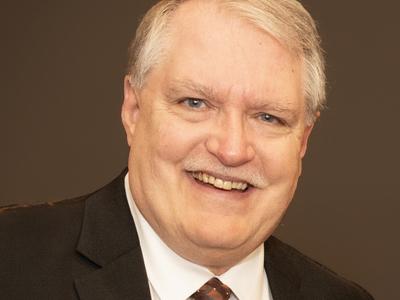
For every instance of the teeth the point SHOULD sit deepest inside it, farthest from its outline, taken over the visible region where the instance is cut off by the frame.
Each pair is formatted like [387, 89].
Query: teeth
[227, 185]
[205, 178]
[219, 183]
[211, 180]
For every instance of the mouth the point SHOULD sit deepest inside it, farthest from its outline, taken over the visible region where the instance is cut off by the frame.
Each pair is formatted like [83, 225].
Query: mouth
[220, 183]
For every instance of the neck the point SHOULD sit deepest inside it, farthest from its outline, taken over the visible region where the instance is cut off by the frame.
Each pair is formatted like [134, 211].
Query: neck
[216, 260]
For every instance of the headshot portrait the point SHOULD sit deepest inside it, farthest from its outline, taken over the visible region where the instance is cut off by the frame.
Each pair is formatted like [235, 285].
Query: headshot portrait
[199, 149]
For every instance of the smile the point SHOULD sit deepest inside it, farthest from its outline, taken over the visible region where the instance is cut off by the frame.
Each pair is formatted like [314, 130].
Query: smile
[219, 183]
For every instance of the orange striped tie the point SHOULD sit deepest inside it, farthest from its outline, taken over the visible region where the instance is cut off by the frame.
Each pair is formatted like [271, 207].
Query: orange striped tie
[213, 289]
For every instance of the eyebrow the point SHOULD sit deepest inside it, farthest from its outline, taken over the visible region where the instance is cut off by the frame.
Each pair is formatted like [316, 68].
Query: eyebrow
[278, 107]
[179, 86]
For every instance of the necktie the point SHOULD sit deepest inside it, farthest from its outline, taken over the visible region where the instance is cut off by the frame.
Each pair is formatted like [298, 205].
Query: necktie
[213, 289]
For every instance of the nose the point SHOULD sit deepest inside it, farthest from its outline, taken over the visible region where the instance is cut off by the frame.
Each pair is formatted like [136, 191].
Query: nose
[230, 143]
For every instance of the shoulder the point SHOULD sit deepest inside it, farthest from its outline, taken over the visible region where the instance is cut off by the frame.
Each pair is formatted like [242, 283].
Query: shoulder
[54, 224]
[36, 218]
[315, 280]
[40, 227]
[37, 246]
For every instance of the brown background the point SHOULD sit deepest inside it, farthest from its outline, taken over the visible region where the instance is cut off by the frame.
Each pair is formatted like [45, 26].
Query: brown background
[62, 65]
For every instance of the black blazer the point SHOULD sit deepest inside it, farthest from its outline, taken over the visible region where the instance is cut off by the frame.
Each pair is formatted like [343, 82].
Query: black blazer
[87, 248]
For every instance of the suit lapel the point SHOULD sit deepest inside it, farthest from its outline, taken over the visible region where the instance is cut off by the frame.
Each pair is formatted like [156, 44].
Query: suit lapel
[122, 279]
[109, 240]
[284, 282]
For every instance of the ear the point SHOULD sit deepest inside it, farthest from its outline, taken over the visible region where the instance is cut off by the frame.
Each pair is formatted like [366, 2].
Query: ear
[306, 135]
[130, 109]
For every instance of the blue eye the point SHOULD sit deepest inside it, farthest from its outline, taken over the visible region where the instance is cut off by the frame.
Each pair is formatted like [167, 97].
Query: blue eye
[194, 103]
[269, 118]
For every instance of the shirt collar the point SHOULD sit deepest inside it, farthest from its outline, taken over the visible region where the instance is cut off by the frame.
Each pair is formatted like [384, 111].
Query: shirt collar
[246, 279]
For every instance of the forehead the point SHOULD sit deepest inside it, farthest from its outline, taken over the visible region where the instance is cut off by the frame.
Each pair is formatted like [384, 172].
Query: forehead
[227, 54]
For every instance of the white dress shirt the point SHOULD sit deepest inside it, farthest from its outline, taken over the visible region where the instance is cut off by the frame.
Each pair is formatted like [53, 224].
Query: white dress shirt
[172, 277]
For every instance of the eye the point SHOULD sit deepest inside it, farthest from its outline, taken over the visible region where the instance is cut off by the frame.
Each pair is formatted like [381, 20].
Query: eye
[194, 103]
[265, 117]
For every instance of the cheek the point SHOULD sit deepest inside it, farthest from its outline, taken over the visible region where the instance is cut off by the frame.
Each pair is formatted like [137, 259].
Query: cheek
[280, 159]
[176, 139]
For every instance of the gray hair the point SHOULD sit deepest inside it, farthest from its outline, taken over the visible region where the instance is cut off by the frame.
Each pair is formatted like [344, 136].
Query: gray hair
[286, 20]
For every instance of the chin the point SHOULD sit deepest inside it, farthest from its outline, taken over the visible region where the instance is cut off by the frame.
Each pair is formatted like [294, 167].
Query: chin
[220, 236]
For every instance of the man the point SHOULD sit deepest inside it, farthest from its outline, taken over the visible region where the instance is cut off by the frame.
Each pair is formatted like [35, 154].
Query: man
[220, 100]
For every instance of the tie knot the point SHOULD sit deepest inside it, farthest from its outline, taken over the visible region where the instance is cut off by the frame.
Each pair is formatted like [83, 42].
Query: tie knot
[213, 289]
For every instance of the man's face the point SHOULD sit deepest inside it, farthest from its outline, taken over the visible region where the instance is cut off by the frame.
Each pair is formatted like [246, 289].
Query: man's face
[224, 106]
